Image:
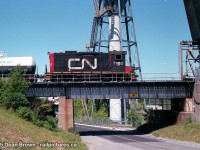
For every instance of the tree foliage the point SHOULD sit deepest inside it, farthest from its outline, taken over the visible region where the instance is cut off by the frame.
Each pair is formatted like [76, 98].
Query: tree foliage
[26, 113]
[100, 109]
[12, 96]
[13, 90]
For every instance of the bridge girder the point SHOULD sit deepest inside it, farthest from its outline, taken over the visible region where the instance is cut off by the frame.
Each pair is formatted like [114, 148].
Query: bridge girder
[116, 90]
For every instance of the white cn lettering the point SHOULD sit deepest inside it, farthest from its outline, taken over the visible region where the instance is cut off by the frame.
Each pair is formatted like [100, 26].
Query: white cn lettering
[82, 63]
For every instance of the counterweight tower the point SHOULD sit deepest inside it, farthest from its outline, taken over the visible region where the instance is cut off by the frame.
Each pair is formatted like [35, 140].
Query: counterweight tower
[113, 29]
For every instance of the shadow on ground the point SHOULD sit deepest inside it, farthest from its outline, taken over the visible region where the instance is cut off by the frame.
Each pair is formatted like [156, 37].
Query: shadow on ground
[118, 136]
[158, 119]
[149, 128]
[106, 132]
[143, 129]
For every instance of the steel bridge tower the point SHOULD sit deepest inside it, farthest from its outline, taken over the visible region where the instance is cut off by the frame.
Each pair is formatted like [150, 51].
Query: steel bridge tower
[113, 29]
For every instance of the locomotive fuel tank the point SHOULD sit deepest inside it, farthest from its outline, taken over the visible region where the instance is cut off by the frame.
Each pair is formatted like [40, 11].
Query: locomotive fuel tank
[27, 64]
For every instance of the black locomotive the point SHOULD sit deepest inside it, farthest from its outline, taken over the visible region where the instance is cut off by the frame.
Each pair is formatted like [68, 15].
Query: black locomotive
[89, 66]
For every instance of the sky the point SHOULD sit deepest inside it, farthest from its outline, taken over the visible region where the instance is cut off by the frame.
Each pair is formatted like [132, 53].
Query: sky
[35, 27]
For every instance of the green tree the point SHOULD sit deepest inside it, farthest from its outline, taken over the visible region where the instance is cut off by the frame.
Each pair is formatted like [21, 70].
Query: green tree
[13, 96]
[13, 90]
[99, 111]
[17, 81]
[136, 119]
[78, 108]
[101, 108]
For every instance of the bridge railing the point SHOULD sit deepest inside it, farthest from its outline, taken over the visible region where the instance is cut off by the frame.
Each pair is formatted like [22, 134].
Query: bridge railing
[161, 76]
[28, 77]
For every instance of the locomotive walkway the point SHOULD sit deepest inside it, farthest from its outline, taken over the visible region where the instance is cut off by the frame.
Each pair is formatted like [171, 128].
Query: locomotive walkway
[112, 90]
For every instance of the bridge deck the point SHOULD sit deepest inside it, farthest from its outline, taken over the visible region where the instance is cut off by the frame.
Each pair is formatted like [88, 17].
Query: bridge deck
[108, 90]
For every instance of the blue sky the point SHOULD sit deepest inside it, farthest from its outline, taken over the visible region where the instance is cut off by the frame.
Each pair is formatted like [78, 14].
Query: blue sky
[34, 27]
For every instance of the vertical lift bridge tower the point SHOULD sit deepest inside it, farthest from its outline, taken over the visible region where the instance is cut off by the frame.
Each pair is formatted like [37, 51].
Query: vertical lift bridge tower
[113, 29]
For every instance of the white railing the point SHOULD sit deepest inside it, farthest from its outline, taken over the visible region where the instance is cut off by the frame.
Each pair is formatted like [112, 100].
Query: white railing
[160, 76]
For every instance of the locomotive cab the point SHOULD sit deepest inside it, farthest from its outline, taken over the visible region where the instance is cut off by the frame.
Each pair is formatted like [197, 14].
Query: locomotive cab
[117, 61]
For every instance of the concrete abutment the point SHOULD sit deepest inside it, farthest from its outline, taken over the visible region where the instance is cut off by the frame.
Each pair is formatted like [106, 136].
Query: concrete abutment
[189, 107]
[182, 109]
[197, 101]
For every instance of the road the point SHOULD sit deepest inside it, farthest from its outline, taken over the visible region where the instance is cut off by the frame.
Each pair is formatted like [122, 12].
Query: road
[97, 138]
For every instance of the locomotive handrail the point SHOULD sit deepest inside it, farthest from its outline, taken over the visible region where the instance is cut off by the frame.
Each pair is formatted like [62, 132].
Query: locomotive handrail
[119, 77]
[86, 77]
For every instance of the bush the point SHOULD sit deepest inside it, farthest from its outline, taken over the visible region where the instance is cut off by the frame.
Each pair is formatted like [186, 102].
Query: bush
[71, 130]
[39, 123]
[135, 119]
[44, 110]
[188, 121]
[50, 123]
[27, 114]
[14, 100]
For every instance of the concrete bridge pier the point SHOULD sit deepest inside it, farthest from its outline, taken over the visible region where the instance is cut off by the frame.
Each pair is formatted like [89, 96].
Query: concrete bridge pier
[182, 109]
[65, 113]
[182, 104]
[197, 101]
[189, 107]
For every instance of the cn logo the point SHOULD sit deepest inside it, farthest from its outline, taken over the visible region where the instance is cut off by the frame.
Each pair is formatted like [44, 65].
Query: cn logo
[82, 63]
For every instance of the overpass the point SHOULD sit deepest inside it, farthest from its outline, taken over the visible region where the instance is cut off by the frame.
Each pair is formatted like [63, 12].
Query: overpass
[109, 90]
[176, 90]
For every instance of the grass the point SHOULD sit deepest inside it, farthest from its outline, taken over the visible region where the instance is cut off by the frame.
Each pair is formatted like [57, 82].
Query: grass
[183, 132]
[16, 130]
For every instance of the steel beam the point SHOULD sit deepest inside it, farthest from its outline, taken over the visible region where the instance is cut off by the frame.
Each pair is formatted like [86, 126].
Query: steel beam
[113, 90]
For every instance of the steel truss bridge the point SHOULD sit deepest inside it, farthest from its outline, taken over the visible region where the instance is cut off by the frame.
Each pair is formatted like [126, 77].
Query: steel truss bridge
[112, 90]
